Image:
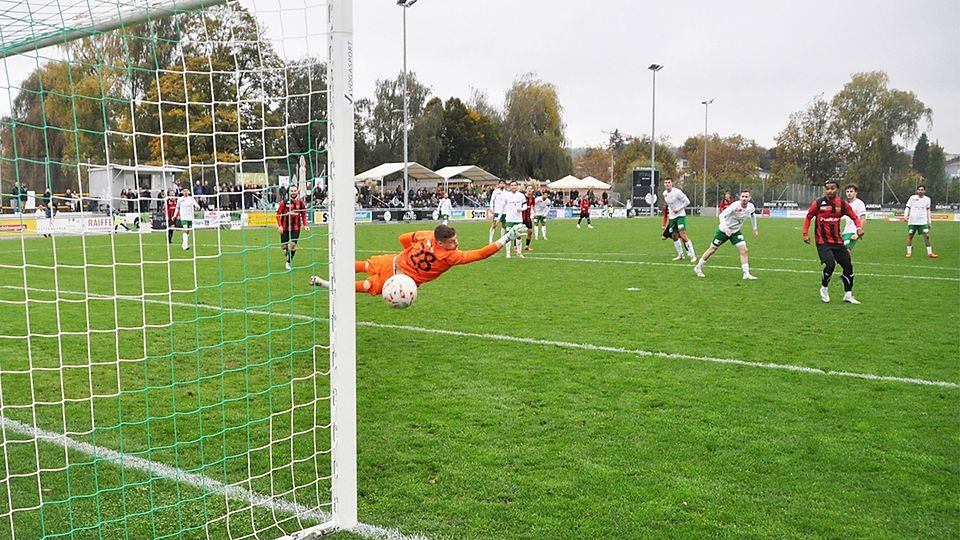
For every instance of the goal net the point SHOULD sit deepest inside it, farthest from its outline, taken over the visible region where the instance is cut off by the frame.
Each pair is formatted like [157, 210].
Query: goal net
[165, 369]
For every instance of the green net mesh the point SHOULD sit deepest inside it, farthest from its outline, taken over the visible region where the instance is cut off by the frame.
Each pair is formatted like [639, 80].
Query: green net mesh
[147, 390]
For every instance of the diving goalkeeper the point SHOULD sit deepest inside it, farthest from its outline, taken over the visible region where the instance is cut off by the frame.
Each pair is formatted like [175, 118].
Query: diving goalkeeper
[426, 255]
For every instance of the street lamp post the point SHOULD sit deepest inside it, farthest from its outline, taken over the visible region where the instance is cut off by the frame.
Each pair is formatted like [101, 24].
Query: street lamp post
[654, 68]
[706, 107]
[406, 122]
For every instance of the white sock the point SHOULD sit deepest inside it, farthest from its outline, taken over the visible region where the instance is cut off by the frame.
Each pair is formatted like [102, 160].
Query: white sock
[536, 232]
[519, 244]
[701, 262]
[909, 249]
[186, 239]
[490, 238]
[746, 268]
[929, 250]
[690, 248]
[544, 232]
[679, 245]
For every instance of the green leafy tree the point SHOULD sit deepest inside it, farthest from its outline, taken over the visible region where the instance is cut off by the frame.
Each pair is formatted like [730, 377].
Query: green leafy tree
[870, 116]
[812, 144]
[533, 131]
[921, 154]
[385, 122]
[426, 137]
[935, 173]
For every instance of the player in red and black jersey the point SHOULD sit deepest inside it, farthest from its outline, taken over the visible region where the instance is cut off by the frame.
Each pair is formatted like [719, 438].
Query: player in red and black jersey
[527, 215]
[584, 211]
[826, 213]
[170, 211]
[291, 216]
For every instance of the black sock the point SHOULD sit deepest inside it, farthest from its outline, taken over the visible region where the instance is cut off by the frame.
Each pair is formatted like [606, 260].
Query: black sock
[293, 253]
[528, 240]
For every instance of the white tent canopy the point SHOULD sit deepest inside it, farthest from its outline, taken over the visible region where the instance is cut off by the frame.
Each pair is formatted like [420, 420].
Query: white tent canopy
[471, 173]
[594, 184]
[566, 183]
[414, 170]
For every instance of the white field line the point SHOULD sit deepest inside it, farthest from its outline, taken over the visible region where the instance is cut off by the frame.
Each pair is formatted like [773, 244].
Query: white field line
[209, 485]
[544, 342]
[733, 255]
[753, 269]
[540, 256]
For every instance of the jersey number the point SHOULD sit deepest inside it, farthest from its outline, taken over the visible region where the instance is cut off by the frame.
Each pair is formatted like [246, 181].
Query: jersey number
[426, 260]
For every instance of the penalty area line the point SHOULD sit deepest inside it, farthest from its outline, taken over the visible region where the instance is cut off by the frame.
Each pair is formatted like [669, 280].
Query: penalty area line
[540, 342]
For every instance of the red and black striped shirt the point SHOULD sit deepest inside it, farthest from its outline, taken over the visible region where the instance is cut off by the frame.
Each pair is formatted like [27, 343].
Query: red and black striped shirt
[291, 215]
[171, 209]
[827, 213]
[526, 213]
[584, 205]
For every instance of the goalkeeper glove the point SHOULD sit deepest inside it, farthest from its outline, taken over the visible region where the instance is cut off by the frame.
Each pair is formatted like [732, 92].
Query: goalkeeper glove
[517, 231]
[512, 234]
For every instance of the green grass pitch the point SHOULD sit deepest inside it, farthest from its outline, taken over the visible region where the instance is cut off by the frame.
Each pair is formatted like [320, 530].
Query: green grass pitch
[594, 389]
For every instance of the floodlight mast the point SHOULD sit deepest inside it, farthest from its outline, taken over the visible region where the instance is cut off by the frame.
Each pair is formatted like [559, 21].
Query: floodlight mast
[654, 68]
[706, 108]
[406, 109]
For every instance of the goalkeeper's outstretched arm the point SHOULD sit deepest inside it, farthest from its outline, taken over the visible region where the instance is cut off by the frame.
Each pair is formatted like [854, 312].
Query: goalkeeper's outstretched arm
[475, 255]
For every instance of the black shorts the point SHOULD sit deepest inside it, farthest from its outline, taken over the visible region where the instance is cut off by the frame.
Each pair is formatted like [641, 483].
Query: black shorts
[584, 215]
[289, 236]
[833, 253]
[528, 223]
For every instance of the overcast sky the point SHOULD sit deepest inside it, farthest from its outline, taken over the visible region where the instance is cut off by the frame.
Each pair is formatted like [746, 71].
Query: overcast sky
[760, 60]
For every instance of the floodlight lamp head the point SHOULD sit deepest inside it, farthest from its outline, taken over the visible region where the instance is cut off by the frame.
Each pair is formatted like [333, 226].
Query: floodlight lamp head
[406, 3]
[707, 102]
[655, 67]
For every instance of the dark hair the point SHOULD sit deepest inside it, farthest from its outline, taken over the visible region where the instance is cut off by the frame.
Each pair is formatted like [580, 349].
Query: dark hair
[922, 186]
[851, 186]
[670, 178]
[742, 191]
[444, 232]
[834, 182]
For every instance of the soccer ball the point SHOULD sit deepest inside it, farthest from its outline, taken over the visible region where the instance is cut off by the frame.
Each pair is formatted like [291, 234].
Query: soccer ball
[399, 291]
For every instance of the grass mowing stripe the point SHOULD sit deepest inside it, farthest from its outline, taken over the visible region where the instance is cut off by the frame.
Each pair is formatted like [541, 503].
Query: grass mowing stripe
[752, 268]
[159, 470]
[543, 342]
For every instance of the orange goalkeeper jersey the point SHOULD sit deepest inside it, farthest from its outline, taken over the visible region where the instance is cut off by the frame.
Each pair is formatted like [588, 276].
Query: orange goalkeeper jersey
[424, 259]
